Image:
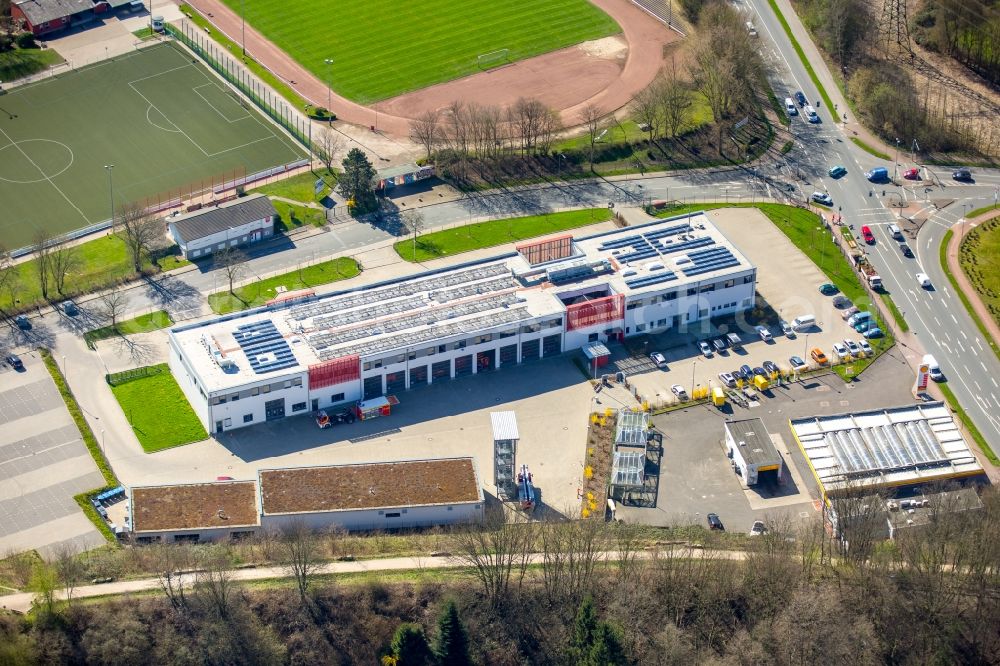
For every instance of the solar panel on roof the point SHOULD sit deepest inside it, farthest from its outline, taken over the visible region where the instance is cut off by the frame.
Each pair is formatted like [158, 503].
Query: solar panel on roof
[652, 279]
[684, 245]
[669, 231]
[264, 347]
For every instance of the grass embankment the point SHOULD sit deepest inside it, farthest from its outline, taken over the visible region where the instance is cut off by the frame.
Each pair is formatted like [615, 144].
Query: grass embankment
[300, 187]
[19, 63]
[979, 211]
[943, 259]
[969, 425]
[141, 324]
[805, 230]
[495, 232]
[144, 33]
[102, 262]
[157, 410]
[110, 480]
[802, 56]
[291, 216]
[261, 291]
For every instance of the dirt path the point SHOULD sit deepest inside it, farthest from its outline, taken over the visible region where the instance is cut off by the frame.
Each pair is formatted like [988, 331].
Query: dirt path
[955, 266]
[645, 36]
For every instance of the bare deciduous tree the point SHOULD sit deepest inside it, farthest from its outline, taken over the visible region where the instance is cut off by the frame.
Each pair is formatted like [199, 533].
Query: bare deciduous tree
[113, 304]
[233, 263]
[496, 551]
[426, 130]
[9, 276]
[170, 561]
[300, 551]
[675, 100]
[43, 259]
[571, 552]
[648, 110]
[63, 260]
[68, 568]
[329, 144]
[139, 230]
[415, 223]
[592, 116]
[215, 581]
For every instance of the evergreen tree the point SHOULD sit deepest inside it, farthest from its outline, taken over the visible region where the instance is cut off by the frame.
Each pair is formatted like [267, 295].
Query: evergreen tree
[584, 627]
[606, 649]
[452, 647]
[357, 181]
[409, 646]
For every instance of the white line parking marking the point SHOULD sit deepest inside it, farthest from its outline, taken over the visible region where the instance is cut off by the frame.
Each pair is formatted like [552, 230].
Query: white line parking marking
[985, 369]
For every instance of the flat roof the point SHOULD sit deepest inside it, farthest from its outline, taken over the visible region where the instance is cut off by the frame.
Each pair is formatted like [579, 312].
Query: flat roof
[755, 443]
[369, 486]
[194, 506]
[920, 509]
[886, 447]
[504, 426]
[499, 293]
[631, 428]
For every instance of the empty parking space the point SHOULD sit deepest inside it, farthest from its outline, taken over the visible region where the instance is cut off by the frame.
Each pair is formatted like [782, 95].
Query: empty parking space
[43, 464]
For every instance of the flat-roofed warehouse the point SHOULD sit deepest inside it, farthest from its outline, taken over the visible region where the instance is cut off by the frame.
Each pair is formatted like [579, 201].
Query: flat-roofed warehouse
[551, 296]
[373, 496]
[900, 446]
[193, 512]
[753, 454]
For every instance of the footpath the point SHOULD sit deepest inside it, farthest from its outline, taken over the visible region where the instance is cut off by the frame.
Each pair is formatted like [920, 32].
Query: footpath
[955, 266]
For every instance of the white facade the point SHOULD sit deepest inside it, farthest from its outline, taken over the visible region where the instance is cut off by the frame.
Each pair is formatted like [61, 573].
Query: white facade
[243, 221]
[318, 352]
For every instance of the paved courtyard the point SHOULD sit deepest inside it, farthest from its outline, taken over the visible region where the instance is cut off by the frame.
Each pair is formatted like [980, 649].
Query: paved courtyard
[696, 476]
[43, 464]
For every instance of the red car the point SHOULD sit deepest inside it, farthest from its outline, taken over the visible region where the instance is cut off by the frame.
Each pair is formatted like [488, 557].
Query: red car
[868, 235]
[912, 174]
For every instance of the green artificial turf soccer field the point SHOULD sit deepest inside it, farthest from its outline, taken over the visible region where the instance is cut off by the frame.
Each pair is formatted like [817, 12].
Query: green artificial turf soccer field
[382, 48]
[162, 119]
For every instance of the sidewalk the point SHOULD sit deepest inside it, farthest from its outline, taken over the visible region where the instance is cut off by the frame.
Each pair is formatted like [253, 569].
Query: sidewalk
[955, 266]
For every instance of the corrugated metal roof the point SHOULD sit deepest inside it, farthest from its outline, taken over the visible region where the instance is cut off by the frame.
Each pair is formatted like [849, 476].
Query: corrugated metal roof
[206, 222]
[43, 11]
[504, 425]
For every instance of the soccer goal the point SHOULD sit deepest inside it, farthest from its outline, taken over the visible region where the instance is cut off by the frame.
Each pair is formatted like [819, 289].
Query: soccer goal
[493, 58]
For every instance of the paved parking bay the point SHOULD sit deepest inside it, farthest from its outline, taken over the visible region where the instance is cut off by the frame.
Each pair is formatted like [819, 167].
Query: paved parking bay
[697, 478]
[43, 464]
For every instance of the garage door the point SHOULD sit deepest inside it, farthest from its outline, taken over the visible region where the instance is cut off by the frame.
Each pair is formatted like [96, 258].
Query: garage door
[274, 409]
[373, 387]
[418, 376]
[441, 371]
[463, 365]
[395, 382]
[552, 345]
[530, 350]
[508, 355]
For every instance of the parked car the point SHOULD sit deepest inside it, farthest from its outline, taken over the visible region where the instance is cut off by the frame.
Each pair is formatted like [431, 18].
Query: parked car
[849, 312]
[706, 349]
[758, 528]
[822, 198]
[841, 301]
[746, 372]
[738, 374]
[962, 174]
[727, 379]
[852, 347]
[714, 523]
[796, 362]
[771, 368]
[905, 249]
[719, 344]
[924, 280]
[828, 289]
[800, 98]
[764, 334]
[817, 355]
[679, 391]
[659, 359]
[912, 174]
[787, 329]
[865, 347]
[864, 325]
[837, 171]
[22, 322]
[14, 361]
[69, 307]
[840, 350]
[874, 332]
[859, 317]
[869, 237]
[759, 371]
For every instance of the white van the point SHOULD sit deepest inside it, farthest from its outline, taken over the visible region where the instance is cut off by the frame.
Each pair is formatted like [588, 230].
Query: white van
[790, 107]
[811, 114]
[933, 369]
[752, 31]
[804, 322]
[895, 232]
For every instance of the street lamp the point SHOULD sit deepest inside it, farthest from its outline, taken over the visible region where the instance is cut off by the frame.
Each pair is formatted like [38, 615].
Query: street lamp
[329, 84]
[103, 450]
[694, 364]
[111, 191]
[895, 162]
[805, 350]
[243, 30]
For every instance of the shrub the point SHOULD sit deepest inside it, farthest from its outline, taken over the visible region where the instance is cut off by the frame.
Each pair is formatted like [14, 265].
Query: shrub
[25, 40]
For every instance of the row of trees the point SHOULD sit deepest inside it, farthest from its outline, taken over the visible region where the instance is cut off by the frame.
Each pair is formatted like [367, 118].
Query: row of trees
[571, 592]
[967, 30]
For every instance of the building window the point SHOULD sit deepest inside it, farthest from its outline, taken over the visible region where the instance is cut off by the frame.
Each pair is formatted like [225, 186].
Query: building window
[234, 397]
[393, 514]
[248, 418]
[661, 322]
[288, 383]
[254, 391]
[337, 397]
[639, 328]
[747, 279]
[228, 423]
[707, 287]
[299, 407]
[633, 305]
[670, 296]
[450, 508]
[222, 399]
[703, 313]
[692, 291]
[265, 389]
[186, 538]
[728, 283]
[297, 381]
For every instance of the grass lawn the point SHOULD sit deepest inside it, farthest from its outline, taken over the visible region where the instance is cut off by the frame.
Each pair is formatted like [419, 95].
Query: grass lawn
[979, 211]
[153, 321]
[144, 33]
[495, 232]
[291, 216]
[158, 411]
[868, 149]
[300, 187]
[19, 63]
[979, 256]
[102, 262]
[258, 293]
[382, 48]
[943, 260]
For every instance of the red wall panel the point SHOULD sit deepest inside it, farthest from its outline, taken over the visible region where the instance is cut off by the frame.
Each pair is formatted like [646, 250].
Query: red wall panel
[598, 311]
[336, 371]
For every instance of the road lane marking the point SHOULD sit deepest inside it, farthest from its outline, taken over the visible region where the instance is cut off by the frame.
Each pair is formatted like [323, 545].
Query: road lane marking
[985, 369]
[954, 318]
[963, 334]
[937, 320]
[978, 387]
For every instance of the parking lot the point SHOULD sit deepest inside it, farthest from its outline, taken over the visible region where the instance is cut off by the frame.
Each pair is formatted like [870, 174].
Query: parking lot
[43, 464]
[696, 476]
[787, 286]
